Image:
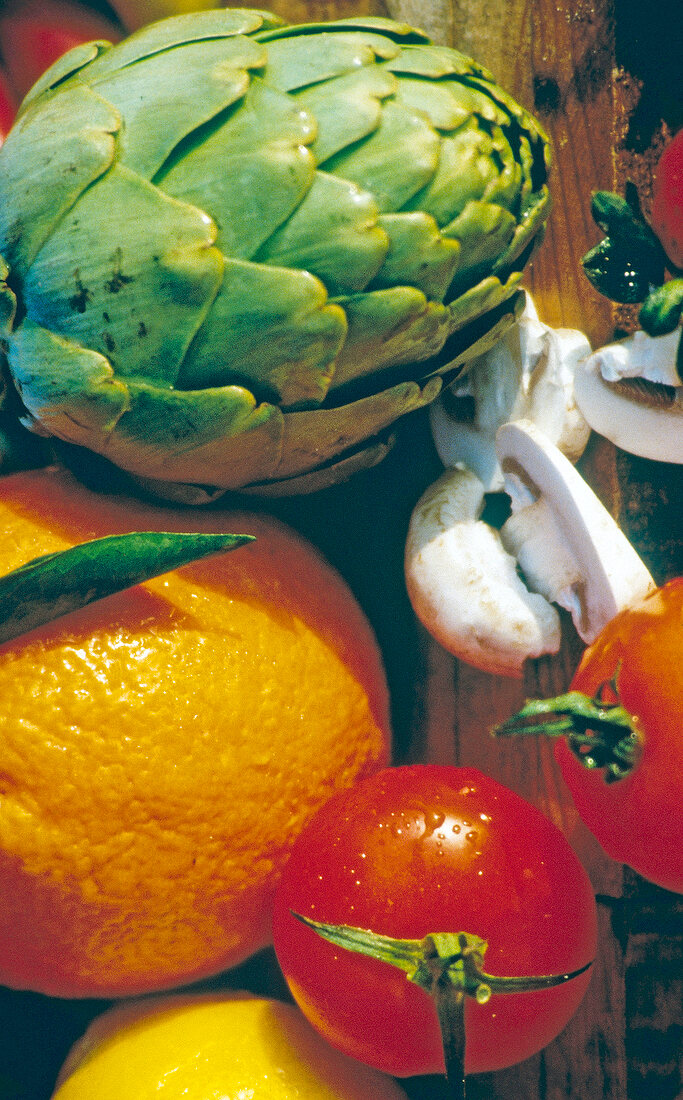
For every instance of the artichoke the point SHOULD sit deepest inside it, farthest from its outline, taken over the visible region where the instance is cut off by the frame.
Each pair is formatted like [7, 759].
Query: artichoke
[233, 252]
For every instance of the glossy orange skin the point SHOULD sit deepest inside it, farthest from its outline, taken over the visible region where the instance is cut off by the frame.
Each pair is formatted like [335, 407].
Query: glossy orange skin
[159, 748]
[639, 819]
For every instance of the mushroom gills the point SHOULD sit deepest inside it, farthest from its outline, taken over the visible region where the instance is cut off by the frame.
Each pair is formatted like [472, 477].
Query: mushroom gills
[631, 393]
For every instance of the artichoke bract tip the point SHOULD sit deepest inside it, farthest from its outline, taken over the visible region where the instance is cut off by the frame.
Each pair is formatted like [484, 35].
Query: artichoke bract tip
[234, 252]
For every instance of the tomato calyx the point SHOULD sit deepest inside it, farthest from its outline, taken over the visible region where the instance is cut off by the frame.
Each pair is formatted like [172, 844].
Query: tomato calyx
[449, 967]
[630, 264]
[600, 733]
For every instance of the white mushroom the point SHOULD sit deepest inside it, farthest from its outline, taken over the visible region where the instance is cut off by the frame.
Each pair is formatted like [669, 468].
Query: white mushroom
[564, 539]
[464, 586]
[528, 374]
[462, 574]
[631, 393]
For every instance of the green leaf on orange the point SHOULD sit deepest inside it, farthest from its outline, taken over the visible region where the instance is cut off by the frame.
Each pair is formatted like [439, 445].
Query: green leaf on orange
[53, 585]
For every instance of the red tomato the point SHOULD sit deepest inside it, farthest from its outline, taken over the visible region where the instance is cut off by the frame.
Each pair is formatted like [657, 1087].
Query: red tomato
[34, 33]
[639, 819]
[7, 105]
[425, 849]
[667, 200]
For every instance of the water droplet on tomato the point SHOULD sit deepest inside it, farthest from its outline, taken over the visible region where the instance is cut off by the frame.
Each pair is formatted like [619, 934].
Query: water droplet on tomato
[433, 818]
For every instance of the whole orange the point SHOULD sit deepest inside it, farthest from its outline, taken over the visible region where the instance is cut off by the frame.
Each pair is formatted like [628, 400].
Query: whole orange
[160, 750]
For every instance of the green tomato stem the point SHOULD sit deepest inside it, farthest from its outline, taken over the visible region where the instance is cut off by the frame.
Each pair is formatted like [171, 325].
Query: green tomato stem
[449, 967]
[450, 1010]
[662, 310]
[600, 734]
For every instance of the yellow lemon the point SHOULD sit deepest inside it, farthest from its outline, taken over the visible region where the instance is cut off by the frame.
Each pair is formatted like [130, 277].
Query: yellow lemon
[213, 1047]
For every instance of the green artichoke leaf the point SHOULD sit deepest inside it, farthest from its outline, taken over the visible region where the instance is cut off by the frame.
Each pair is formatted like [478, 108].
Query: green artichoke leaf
[418, 254]
[528, 161]
[484, 231]
[477, 160]
[388, 327]
[466, 167]
[435, 62]
[332, 473]
[334, 234]
[129, 273]
[215, 75]
[8, 302]
[438, 101]
[347, 109]
[250, 173]
[302, 61]
[385, 28]
[71, 391]
[225, 222]
[479, 335]
[526, 123]
[482, 298]
[176, 31]
[63, 69]
[529, 228]
[181, 435]
[59, 147]
[509, 185]
[532, 146]
[396, 161]
[271, 329]
[312, 439]
[476, 97]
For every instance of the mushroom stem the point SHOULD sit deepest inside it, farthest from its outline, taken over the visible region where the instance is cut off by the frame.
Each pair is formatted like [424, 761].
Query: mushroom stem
[528, 373]
[599, 573]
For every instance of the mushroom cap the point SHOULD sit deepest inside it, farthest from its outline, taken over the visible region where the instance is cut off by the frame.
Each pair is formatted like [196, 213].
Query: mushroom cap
[631, 393]
[464, 586]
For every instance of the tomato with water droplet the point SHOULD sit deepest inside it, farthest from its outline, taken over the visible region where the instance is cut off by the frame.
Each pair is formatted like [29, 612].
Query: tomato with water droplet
[425, 849]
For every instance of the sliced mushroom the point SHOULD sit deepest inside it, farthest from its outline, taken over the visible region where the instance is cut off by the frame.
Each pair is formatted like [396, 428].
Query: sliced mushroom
[528, 374]
[464, 586]
[564, 539]
[631, 393]
[463, 575]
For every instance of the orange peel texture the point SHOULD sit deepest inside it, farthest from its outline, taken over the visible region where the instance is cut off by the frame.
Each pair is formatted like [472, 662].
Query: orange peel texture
[161, 750]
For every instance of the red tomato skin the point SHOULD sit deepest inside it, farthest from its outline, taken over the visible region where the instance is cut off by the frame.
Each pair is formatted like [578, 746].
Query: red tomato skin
[667, 200]
[8, 105]
[638, 820]
[35, 33]
[422, 849]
